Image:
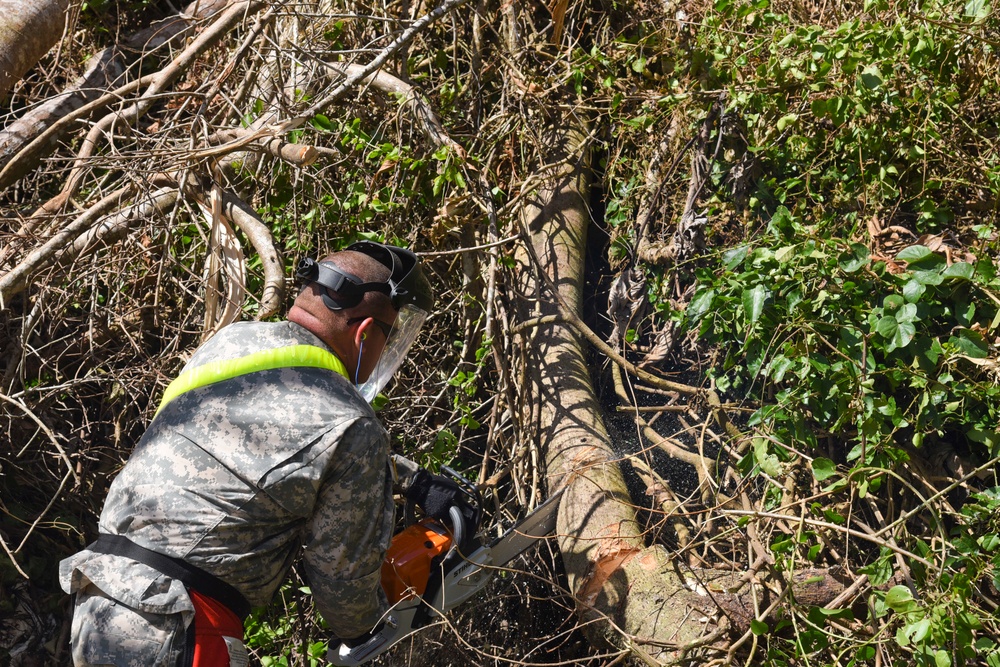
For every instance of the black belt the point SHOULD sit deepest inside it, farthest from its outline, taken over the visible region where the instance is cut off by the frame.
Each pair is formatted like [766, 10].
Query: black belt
[193, 577]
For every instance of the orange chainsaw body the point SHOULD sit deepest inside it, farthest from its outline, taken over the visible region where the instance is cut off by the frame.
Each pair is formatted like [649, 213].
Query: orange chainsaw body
[408, 562]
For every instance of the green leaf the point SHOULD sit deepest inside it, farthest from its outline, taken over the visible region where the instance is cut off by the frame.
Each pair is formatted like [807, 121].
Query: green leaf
[768, 462]
[786, 120]
[988, 542]
[908, 313]
[833, 613]
[942, 658]
[918, 631]
[700, 304]
[977, 9]
[913, 290]
[905, 331]
[989, 438]
[753, 302]
[970, 343]
[855, 259]
[795, 297]
[823, 468]
[788, 40]
[922, 258]
[899, 333]
[893, 302]
[836, 486]
[779, 366]
[880, 571]
[914, 253]
[782, 223]
[899, 598]
[928, 277]
[734, 257]
[871, 77]
[758, 627]
[786, 253]
[959, 271]
[887, 326]
[322, 123]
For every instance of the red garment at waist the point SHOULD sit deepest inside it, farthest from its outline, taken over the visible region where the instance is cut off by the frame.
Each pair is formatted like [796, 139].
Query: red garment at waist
[213, 621]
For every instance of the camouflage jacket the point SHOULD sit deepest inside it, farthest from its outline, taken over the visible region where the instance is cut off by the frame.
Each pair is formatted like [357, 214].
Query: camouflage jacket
[240, 476]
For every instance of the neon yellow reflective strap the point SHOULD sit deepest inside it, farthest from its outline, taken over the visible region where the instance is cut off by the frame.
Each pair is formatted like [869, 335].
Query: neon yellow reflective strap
[265, 360]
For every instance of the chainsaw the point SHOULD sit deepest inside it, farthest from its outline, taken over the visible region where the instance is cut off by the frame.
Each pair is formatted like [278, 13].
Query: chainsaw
[433, 566]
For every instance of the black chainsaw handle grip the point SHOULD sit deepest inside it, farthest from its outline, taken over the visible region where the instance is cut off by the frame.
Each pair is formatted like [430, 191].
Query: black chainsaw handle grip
[449, 498]
[455, 517]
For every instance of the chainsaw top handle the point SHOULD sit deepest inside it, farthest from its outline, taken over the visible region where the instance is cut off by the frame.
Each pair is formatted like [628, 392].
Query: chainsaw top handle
[475, 517]
[464, 513]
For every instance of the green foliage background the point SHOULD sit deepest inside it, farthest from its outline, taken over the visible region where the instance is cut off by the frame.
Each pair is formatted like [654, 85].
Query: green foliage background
[865, 362]
[848, 290]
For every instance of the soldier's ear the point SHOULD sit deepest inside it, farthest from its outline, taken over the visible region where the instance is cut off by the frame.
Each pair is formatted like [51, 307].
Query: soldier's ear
[361, 333]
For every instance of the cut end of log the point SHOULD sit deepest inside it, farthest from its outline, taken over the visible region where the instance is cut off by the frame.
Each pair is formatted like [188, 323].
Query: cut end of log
[602, 569]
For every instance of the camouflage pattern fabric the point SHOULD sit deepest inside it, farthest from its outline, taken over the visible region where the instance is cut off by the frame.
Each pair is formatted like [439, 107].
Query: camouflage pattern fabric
[106, 632]
[241, 476]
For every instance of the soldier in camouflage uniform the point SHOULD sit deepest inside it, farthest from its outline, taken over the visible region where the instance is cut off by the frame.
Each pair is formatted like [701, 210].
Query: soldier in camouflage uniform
[250, 465]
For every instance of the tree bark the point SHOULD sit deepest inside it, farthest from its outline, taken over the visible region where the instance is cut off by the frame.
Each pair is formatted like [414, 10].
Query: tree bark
[627, 594]
[28, 29]
[105, 70]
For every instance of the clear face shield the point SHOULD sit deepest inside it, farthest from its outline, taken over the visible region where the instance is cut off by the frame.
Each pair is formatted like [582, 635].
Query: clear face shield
[404, 332]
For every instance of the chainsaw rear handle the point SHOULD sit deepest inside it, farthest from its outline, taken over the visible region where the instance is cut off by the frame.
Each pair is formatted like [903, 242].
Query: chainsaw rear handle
[415, 565]
[456, 521]
[447, 590]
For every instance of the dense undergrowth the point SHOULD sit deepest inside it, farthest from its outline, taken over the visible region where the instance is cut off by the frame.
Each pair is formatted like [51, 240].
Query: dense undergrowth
[855, 310]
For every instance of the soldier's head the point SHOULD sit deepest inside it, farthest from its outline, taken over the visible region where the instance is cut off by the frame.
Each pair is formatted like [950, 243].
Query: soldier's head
[367, 303]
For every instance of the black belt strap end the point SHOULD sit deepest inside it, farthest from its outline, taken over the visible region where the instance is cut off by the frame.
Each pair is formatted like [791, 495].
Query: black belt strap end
[192, 576]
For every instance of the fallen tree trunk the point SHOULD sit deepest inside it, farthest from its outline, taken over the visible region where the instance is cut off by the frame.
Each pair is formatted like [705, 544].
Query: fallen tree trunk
[627, 594]
[28, 29]
[105, 71]
[630, 594]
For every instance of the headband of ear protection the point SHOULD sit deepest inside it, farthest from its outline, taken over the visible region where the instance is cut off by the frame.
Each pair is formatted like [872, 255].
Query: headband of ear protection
[349, 288]
[406, 284]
